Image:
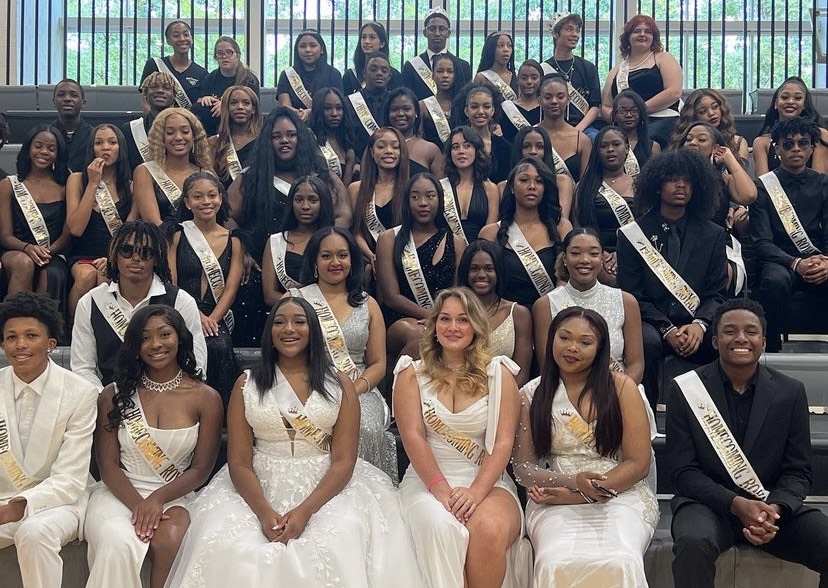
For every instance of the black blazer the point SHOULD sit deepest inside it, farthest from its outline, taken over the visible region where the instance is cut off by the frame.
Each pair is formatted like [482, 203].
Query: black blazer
[777, 443]
[702, 264]
[411, 79]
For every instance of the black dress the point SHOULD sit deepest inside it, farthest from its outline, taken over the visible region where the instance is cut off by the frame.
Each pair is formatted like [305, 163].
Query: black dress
[477, 213]
[510, 131]
[189, 78]
[214, 84]
[94, 242]
[324, 76]
[501, 159]
[607, 222]
[246, 156]
[351, 84]
[516, 280]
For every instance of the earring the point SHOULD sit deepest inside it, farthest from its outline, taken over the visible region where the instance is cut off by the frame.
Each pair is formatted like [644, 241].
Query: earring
[316, 272]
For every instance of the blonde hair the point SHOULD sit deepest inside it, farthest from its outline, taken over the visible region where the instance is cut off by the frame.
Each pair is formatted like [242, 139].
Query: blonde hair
[472, 378]
[221, 146]
[156, 77]
[200, 155]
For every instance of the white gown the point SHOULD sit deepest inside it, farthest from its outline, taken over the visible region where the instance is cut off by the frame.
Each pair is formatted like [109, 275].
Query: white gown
[355, 540]
[440, 540]
[115, 553]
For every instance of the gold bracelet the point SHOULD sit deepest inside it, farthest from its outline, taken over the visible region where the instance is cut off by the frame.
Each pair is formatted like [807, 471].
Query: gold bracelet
[367, 383]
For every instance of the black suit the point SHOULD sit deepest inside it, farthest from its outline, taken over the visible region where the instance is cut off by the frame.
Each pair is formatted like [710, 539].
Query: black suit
[411, 79]
[77, 145]
[777, 443]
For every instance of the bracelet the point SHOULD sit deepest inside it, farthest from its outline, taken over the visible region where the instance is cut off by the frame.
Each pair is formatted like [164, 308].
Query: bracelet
[795, 264]
[367, 383]
[24, 247]
[586, 498]
[435, 481]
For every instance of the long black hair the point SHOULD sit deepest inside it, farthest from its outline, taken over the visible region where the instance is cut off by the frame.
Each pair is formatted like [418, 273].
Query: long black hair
[316, 122]
[643, 128]
[123, 173]
[487, 54]
[517, 145]
[355, 279]
[490, 249]
[459, 103]
[606, 409]
[60, 168]
[359, 54]
[298, 64]
[703, 178]
[592, 179]
[326, 207]
[809, 111]
[549, 208]
[407, 219]
[482, 160]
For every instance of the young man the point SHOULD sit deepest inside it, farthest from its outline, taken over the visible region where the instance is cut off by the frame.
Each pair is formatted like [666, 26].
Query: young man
[739, 445]
[581, 75]
[137, 266]
[789, 226]
[159, 93]
[69, 99]
[416, 72]
[47, 416]
[365, 105]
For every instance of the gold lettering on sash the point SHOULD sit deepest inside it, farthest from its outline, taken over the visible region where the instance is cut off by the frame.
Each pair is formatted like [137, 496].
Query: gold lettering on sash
[530, 260]
[787, 215]
[363, 113]
[462, 443]
[332, 158]
[450, 210]
[168, 187]
[111, 312]
[210, 264]
[298, 87]
[424, 72]
[505, 90]
[304, 426]
[109, 211]
[12, 468]
[514, 115]
[139, 135]
[631, 164]
[32, 214]
[616, 202]
[414, 273]
[577, 99]
[441, 123]
[234, 167]
[334, 338]
[278, 249]
[181, 98]
[136, 427]
[372, 221]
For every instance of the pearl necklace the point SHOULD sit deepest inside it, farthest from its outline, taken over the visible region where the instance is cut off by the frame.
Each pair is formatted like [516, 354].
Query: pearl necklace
[161, 387]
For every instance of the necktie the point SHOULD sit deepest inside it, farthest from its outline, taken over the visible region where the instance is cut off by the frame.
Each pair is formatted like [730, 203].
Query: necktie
[673, 246]
[26, 414]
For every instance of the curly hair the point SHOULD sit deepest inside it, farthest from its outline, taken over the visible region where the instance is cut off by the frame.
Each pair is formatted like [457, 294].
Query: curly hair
[809, 111]
[487, 54]
[703, 178]
[482, 160]
[185, 214]
[642, 130]
[517, 145]
[199, 156]
[359, 54]
[629, 27]
[471, 379]
[123, 173]
[130, 366]
[687, 116]
[796, 126]
[30, 305]
[592, 180]
[326, 207]
[549, 208]
[354, 282]
[407, 218]
[60, 168]
[157, 78]
[490, 249]
[145, 235]
[344, 134]
[715, 135]
[393, 95]
[254, 126]
[740, 303]
[561, 271]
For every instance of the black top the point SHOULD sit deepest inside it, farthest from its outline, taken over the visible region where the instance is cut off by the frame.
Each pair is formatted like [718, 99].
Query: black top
[324, 76]
[375, 102]
[190, 271]
[510, 131]
[133, 154]
[3, 174]
[646, 82]
[94, 242]
[584, 78]
[54, 215]
[214, 84]
[385, 213]
[501, 159]
[76, 143]
[351, 84]
[189, 78]
[477, 213]
[247, 155]
[411, 79]
[413, 168]
[573, 164]
[640, 155]
[607, 222]
[738, 405]
[516, 279]
[437, 276]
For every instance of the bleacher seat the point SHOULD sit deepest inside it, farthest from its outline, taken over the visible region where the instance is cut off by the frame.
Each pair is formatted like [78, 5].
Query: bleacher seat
[267, 100]
[114, 98]
[45, 97]
[8, 157]
[18, 98]
[734, 97]
[22, 121]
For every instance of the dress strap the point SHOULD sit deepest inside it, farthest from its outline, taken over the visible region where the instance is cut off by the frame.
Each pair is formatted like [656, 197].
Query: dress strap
[495, 378]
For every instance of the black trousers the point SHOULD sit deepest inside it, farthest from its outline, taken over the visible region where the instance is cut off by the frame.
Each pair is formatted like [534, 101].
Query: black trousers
[700, 535]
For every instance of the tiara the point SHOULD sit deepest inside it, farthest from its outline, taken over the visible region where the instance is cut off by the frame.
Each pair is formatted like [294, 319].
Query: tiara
[438, 11]
[557, 17]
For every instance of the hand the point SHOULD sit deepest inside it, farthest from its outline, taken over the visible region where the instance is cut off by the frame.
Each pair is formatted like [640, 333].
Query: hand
[208, 326]
[675, 340]
[736, 216]
[146, 516]
[248, 264]
[464, 502]
[100, 265]
[12, 512]
[292, 524]
[215, 110]
[271, 522]
[304, 114]
[39, 255]
[815, 269]
[584, 483]
[610, 263]
[554, 496]
[95, 171]
[208, 101]
[442, 492]
[754, 513]
[693, 335]
[723, 156]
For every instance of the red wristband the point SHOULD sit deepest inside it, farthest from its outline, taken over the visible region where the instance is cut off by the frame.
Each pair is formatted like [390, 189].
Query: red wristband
[435, 481]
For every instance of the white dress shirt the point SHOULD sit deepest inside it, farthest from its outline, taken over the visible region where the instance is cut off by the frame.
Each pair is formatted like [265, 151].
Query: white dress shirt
[26, 400]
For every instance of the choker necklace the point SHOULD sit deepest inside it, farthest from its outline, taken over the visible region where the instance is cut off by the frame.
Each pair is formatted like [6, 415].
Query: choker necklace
[160, 387]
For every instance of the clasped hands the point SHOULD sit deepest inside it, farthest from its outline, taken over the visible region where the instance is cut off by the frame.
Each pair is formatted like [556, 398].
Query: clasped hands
[460, 501]
[758, 519]
[813, 269]
[146, 516]
[685, 340]
[282, 528]
[585, 491]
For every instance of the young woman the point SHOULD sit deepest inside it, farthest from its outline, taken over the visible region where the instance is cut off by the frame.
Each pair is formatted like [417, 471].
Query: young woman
[294, 502]
[156, 442]
[310, 71]
[474, 198]
[402, 113]
[331, 125]
[584, 438]
[33, 231]
[525, 110]
[436, 111]
[310, 209]
[629, 114]
[206, 262]
[711, 107]
[497, 65]
[481, 111]
[572, 147]
[239, 125]
[188, 74]
[372, 39]
[527, 233]
[481, 270]
[460, 504]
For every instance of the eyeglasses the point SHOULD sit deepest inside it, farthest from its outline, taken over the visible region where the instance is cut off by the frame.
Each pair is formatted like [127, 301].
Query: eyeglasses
[626, 111]
[789, 144]
[127, 250]
[438, 29]
[220, 54]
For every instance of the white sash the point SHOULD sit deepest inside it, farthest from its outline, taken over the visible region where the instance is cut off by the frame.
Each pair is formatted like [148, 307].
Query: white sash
[32, 214]
[136, 426]
[356, 77]
[210, 265]
[168, 187]
[278, 249]
[298, 87]
[666, 274]
[616, 202]
[109, 211]
[181, 97]
[9, 464]
[504, 88]
[631, 164]
[734, 254]
[363, 113]
[450, 210]
[514, 115]
[332, 158]
[111, 312]
[529, 259]
[559, 299]
[424, 72]
[622, 82]
[466, 446]
[560, 164]
[548, 70]
[577, 99]
[719, 435]
[441, 123]
[787, 214]
[414, 273]
[294, 413]
[372, 221]
[334, 337]
[281, 185]
[139, 135]
[234, 167]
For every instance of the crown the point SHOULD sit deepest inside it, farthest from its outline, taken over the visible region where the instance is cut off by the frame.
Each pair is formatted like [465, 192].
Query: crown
[557, 17]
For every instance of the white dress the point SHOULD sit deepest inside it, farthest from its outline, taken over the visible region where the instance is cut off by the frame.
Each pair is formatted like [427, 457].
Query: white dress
[115, 553]
[440, 540]
[588, 545]
[355, 540]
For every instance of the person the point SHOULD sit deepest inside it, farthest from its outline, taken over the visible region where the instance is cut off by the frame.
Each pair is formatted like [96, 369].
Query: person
[711, 106]
[310, 72]
[527, 233]
[481, 112]
[295, 503]
[331, 125]
[651, 72]
[158, 90]
[230, 72]
[524, 111]
[332, 279]
[629, 113]
[572, 147]
[187, 73]
[789, 227]
[48, 416]
[156, 442]
[581, 75]
[33, 232]
[790, 100]
[583, 453]
[373, 38]
[366, 104]
[763, 417]
[402, 113]
[282, 259]
[474, 199]
[673, 261]
[416, 72]
[497, 65]
[240, 123]
[205, 261]
[481, 271]
[178, 148]
[457, 411]
[139, 273]
[98, 202]
[69, 100]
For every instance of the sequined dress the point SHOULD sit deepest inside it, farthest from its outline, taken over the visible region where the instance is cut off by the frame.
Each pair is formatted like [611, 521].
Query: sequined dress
[502, 339]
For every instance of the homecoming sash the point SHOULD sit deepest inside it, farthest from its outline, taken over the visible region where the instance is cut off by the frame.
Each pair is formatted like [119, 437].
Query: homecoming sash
[622, 82]
[181, 97]
[278, 248]
[294, 413]
[631, 164]
[210, 265]
[441, 123]
[334, 337]
[372, 221]
[530, 260]
[109, 211]
[514, 115]
[718, 433]
[298, 87]
[577, 99]
[424, 72]
[450, 210]
[560, 164]
[787, 214]
[467, 447]
[9, 464]
[332, 158]
[139, 135]
[32, 214]
[616, 202]
[576, 425]
[136, 427]
[168, 187]
[111, 312]
[414, 273]
[363, 113]
[733, 250]
[281, 185]
[505, 90]
[234, 167]
[666, 274]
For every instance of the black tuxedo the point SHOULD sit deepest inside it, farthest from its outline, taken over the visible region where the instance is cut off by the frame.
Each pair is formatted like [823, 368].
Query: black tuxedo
[777, 444]
[411, 79]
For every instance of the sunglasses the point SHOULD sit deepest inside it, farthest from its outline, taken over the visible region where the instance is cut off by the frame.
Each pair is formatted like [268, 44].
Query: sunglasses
[126, 250]
[788, 144]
